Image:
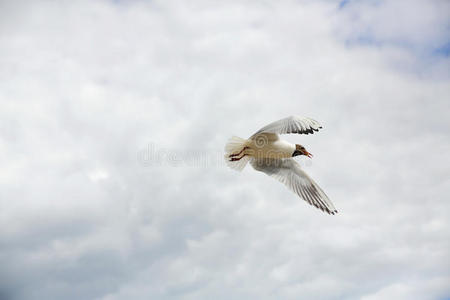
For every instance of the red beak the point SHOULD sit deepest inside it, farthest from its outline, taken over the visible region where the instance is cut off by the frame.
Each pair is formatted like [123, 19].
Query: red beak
[307, 154]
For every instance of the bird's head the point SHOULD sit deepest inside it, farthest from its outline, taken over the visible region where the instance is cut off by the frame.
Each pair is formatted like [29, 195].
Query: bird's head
[300, 150]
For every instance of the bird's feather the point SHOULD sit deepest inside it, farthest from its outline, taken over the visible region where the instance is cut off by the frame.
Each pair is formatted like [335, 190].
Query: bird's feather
[288, 171]
[292, 124]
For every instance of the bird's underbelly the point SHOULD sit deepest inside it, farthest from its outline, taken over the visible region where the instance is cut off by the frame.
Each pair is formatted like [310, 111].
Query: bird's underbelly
[269, 150]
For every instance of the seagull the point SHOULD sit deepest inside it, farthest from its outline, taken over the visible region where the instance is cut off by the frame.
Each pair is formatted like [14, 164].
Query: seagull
[269, 154]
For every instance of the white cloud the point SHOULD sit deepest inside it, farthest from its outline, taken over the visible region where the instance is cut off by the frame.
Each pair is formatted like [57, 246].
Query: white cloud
[87, 87]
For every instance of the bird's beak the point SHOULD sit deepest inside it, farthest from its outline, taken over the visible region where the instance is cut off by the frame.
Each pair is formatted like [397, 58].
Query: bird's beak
[307, 154]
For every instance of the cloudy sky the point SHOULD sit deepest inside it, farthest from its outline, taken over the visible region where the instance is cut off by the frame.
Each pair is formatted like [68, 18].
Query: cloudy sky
[113, 119]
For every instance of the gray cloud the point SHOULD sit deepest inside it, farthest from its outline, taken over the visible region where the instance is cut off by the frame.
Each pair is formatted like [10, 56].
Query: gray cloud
[87, 87]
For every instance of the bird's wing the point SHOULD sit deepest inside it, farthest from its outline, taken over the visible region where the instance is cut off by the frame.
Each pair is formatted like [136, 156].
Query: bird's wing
[264, 138]
[292, 124]
[288, 171]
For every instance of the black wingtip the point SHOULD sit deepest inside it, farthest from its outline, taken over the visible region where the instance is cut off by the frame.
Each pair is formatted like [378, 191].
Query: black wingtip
[332, 212]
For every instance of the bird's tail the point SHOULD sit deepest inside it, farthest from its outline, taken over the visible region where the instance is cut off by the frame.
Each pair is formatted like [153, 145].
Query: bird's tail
[235, 155]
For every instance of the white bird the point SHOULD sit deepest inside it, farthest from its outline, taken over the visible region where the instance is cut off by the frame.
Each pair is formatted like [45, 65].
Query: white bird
[267, 153]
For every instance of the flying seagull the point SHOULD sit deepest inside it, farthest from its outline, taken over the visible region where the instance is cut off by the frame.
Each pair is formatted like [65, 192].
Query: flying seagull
[267, 153]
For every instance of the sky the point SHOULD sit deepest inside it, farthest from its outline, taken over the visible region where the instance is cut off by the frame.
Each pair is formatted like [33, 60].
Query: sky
[113, 120]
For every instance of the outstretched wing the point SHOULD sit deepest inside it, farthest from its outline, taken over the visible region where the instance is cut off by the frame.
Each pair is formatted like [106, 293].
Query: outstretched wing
[291, 124]
[288, 171]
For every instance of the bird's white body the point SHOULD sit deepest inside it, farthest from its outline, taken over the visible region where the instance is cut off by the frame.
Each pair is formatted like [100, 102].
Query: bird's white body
[269, 148]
